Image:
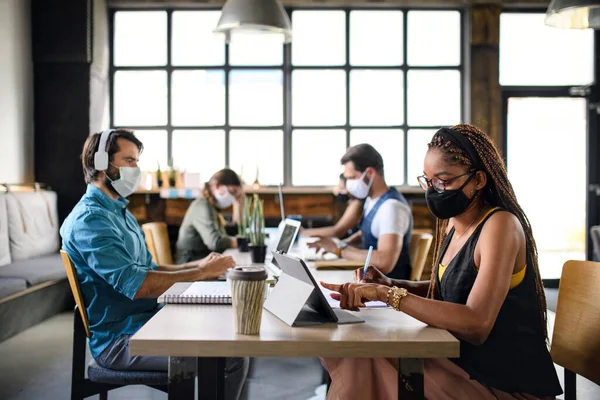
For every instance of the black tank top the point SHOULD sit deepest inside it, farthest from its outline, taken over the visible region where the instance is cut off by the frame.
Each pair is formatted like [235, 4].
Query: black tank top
[514, 358]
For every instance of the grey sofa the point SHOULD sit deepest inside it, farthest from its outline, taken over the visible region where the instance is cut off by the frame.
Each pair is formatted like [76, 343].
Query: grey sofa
[33, 284]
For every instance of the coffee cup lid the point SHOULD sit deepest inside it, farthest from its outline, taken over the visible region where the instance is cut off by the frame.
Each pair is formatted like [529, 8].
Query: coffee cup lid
[248, 273]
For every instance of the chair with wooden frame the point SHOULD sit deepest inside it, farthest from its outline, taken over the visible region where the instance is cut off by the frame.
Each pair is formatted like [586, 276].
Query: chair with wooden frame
[157, 240]
[575, 340]
[100, 380]
[420, 242]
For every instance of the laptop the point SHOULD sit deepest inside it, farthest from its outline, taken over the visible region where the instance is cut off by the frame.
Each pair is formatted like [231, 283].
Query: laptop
[298, 300]
[284, 244]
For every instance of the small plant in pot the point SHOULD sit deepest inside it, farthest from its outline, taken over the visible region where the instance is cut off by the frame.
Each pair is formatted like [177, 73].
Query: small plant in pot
[159, 177]
[172, 177]
[243, 221]
[258, 249]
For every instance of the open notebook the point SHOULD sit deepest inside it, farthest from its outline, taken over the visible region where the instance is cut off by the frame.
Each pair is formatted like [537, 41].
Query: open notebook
[198, 293]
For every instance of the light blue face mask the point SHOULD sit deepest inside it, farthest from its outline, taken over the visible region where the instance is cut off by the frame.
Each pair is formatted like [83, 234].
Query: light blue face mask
[128, 182]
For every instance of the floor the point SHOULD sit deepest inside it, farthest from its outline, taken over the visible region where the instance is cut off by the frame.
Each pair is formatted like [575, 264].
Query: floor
[36, 364]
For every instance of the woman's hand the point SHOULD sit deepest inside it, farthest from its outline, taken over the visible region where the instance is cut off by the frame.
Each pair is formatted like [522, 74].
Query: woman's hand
[355, 295]
[373, 275]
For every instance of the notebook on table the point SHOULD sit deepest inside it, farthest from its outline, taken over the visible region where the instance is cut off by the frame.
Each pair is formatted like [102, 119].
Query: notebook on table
[209, 292]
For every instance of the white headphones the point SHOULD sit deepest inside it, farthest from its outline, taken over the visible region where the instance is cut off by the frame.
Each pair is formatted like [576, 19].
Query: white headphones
[101, 156]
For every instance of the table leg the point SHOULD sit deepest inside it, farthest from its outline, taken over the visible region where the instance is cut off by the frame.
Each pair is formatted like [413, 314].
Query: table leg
[182, 372]
[410, 379]
[211, 378]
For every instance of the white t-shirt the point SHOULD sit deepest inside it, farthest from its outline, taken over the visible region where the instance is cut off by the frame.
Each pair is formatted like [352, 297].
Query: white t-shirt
[393, 216]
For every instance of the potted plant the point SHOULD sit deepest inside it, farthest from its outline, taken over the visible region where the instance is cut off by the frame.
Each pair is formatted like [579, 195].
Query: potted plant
[159, 177]
[172, 177]
[243, 220]
[258, 249]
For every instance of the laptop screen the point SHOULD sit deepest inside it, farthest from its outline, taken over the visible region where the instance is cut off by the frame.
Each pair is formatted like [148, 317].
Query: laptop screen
[286, 238]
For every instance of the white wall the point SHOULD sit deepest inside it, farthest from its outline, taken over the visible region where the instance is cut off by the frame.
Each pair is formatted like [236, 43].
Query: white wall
[16, 92]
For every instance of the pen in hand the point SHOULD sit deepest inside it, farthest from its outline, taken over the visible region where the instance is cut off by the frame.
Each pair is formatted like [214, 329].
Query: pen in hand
[367, 261]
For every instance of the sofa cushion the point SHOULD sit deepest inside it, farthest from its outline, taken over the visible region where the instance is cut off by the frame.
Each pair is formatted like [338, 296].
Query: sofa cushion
[4, 243]
[10, 286]
[32, 224]
[36, 270]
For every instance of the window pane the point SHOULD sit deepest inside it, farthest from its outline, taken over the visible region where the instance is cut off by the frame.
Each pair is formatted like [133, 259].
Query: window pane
[319, 38]
[316, 156]
[417, 148]
[198, 98]
[433, 38]
[319, 98]
[140, 38]
[541, 124]
[193, 41]
[199, 151]
[532, 53]
[155, 149]
[434, 98]
[390, 144]
[376, 97]
[253, 152]
[376, 37]
[140, 98]
[256, 98]
[255, 49]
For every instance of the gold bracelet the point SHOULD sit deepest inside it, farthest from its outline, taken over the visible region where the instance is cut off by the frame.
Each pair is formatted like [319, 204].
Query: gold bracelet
[397, 294]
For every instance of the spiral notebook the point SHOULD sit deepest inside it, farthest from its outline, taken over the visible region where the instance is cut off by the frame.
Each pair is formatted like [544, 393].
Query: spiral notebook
[198, 293]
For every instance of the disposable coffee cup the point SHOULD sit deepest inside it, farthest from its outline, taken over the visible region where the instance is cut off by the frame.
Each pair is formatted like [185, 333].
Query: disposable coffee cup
[247, 297]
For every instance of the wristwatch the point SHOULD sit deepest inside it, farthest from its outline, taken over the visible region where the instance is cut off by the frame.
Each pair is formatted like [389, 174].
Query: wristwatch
[340, 246]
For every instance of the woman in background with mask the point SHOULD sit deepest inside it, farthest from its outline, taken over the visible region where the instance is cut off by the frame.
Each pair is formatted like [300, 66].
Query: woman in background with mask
[203, 228]
[485, 287]
[347, 225]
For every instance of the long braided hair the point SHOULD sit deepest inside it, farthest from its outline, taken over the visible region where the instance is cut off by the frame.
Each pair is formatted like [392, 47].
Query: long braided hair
[497, 193]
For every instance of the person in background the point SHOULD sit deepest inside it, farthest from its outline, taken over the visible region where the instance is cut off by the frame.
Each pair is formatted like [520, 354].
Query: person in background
[203, 227]
[386, 222]
[118, 280]
[485, 286]
[347, 225]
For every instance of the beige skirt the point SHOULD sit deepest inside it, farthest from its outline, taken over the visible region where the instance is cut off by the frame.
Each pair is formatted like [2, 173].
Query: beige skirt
[377, 379]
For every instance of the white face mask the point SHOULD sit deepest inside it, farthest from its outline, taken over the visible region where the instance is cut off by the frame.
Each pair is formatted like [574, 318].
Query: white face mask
[358, 188]
[224, 200]
[128, 182]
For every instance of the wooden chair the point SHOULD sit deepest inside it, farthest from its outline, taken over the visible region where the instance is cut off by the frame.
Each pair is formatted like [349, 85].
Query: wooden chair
[100, 380]
[157, 240]
[576, 339]
[420, 242]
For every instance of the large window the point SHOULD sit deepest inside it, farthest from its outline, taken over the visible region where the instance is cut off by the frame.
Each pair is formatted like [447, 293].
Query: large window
[546, 131]
[287, 113]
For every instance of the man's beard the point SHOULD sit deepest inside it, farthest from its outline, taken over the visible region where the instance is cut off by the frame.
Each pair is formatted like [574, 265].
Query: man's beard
[108, 183]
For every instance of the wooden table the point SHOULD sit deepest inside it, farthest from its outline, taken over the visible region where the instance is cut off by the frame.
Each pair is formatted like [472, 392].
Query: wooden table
[200, 336]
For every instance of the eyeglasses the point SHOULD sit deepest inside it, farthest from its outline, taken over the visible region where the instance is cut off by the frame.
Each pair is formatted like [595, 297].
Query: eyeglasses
[438, 184]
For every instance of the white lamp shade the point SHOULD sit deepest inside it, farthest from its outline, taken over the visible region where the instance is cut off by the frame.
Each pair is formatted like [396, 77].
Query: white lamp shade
[574, 14]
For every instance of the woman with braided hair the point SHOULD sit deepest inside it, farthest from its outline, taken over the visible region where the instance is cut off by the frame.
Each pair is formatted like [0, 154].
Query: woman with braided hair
[485, 286]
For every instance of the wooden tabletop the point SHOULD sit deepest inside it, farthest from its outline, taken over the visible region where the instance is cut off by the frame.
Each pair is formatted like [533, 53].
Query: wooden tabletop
[208, 331]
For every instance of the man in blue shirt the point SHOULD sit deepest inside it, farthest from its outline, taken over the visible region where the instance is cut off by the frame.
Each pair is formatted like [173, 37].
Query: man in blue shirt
[118, 279]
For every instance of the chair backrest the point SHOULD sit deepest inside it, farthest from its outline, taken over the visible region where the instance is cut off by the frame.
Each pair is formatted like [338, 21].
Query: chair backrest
[76, 290]
[576, 338]
[420, 242]
[157, 240]
[595, 235]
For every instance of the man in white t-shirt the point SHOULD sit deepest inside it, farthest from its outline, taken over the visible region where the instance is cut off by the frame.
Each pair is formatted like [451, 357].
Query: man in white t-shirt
[386, 222]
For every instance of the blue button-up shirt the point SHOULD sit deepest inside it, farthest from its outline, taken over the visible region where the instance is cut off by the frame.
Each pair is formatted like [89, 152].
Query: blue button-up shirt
[109, 251]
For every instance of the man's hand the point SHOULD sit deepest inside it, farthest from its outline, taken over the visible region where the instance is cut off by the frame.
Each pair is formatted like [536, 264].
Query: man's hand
[216, 266]
[373, 275]
[208, 258]
[325, 243]
[355, 295]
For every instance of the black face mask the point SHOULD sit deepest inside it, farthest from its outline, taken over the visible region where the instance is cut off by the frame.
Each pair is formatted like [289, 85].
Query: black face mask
[449, 203]
[343, 198]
